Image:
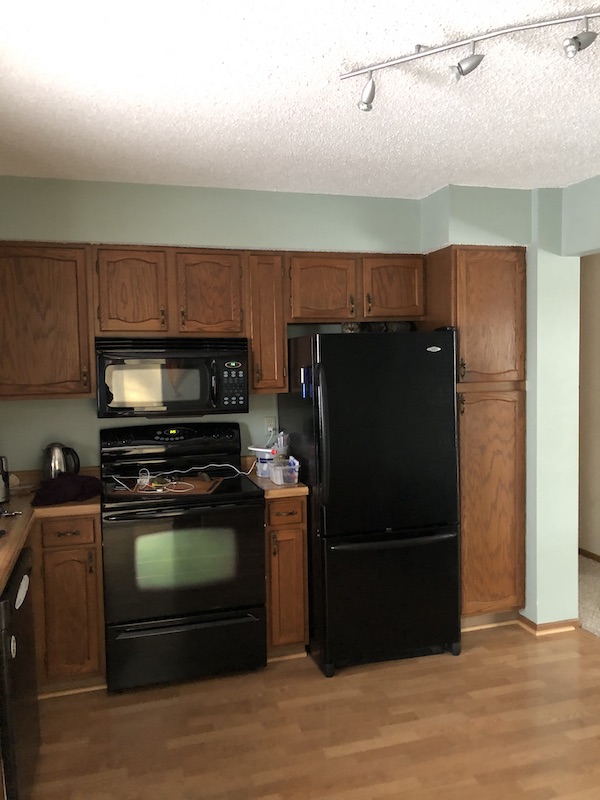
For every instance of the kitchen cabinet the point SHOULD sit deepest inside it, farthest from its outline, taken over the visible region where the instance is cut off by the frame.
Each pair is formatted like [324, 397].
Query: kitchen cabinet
[327, 287]
[492, 479]
[131, 291]
[170, 291]
[481, 292]
[46, 332]
[268, 340]
[286, 570]
[68, 597]
[209, 291]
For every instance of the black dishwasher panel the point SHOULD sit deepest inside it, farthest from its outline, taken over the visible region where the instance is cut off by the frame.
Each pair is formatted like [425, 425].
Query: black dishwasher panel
[388, 597]
[19, 715]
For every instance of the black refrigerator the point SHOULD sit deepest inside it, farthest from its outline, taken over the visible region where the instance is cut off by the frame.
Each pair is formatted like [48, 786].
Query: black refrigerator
[372, 420]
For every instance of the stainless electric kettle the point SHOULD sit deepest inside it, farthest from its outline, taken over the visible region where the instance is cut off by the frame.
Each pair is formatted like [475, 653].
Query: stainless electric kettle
[57, 459]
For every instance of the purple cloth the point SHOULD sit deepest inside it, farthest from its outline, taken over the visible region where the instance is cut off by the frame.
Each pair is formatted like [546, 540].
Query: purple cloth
[65, 488]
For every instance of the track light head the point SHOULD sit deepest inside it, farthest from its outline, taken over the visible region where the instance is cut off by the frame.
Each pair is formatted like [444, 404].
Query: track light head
[466, 65]
[579, 42]
[368, 94]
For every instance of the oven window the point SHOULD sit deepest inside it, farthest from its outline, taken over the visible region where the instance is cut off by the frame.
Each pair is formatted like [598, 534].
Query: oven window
[156, 382]
[185, 558]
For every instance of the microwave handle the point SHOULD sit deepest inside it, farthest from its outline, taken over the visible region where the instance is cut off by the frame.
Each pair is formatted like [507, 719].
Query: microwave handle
[213, 382]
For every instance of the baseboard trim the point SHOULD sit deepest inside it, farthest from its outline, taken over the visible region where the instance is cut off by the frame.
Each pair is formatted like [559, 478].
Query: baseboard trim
[547, 628]
[587, 554]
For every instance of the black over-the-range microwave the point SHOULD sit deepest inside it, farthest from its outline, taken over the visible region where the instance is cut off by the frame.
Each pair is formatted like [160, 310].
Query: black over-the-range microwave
[171, 377]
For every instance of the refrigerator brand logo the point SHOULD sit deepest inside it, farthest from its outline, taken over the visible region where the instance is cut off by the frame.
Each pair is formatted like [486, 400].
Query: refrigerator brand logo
[433, 349]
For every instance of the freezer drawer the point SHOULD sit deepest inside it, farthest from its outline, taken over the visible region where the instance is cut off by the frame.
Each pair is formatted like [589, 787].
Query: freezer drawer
[387, 597]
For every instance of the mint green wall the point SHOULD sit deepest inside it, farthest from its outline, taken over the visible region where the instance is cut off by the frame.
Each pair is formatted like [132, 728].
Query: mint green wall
[77, 211]
[52, 210]
[580, 227]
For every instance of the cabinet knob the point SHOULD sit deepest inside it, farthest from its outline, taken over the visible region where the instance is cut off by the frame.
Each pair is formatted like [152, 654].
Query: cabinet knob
[368, 303]
[462, 368]
[90, 561]
[258, 372]
[183, 316]
[84, 376]
[163, 317]
[285, 513]
[351, 300]
[274, 543]
[461, 403]
[61, 534]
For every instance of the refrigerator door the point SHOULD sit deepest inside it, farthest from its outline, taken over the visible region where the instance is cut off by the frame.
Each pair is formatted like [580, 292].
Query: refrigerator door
[386, 438]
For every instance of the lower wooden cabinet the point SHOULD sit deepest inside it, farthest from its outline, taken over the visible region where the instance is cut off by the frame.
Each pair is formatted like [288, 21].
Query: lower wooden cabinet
[68, 595]
[286, 571]
[492, 479]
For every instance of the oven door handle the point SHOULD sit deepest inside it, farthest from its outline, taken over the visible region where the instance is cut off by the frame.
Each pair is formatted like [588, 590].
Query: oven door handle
[132, 633]
[160, 513]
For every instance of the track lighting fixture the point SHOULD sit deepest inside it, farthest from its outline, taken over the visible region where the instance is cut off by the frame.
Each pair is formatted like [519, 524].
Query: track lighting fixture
[580, 41]
[368, 94]
[466, 65]
[571, 46]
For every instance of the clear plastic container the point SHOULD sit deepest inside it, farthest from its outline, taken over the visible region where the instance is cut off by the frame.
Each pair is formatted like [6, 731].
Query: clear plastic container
[284, 470]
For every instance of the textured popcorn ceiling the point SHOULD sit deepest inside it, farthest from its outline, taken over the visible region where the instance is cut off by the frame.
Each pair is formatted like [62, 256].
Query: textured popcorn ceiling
[247, 95]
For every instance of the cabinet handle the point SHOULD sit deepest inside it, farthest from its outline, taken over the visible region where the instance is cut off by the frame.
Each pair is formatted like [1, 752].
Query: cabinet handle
[274, 543]
[368, 303]
[163, 317]
[60, 534]
[462, 369]
[258, 372]
[84, 376]
[285, 513]
[351, 298]
[183, 316]
[90, 561]
[461, 403]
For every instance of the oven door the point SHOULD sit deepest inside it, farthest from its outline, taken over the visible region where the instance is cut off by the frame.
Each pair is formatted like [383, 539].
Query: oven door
[164, 563]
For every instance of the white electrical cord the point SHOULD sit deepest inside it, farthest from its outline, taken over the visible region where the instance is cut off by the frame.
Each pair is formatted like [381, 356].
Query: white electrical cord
[145, 478]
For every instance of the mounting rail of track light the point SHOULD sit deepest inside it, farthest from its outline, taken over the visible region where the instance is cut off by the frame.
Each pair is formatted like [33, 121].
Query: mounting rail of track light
[571, 46]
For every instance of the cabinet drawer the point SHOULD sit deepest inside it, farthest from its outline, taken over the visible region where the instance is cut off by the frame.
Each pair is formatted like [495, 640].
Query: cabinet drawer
[68, 531]
[286, 511]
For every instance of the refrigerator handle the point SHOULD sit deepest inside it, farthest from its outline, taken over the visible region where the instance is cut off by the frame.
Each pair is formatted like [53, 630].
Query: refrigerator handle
[324, 433]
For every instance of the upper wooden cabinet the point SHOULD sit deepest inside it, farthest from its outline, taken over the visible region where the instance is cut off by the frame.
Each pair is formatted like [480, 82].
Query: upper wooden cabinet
[268, 342]
[169, 291]
[392, 286]
[481, 291]
[209, 292]
[46, 336]
[132, 291]
[324, 287]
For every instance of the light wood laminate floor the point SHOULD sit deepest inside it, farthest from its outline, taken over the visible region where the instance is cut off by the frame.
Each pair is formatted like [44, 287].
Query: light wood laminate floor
[513, 717]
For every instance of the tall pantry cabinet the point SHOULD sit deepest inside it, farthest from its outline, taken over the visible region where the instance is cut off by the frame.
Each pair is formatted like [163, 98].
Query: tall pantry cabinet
[481, 292]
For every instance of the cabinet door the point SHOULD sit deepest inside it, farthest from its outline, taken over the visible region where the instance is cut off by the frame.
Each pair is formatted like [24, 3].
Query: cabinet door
[323, 288]
[71, 612]
[492, 476]
[393, 286]
[209, 292]
[491, 314]
[132, 291]
[44, 322]
[268, 341]
[287, 579]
